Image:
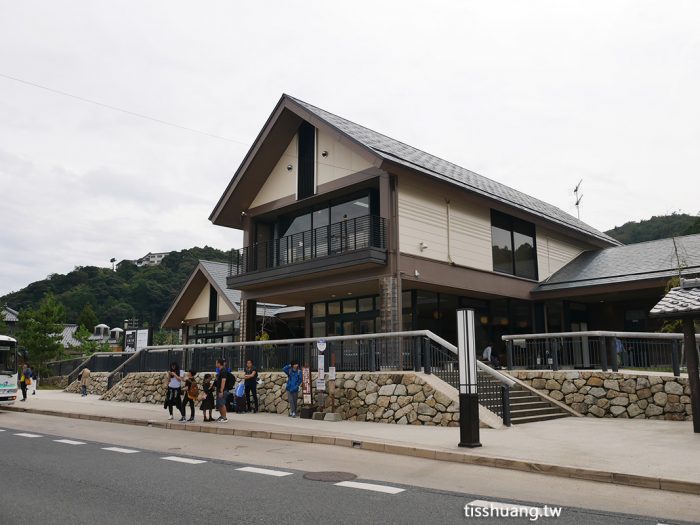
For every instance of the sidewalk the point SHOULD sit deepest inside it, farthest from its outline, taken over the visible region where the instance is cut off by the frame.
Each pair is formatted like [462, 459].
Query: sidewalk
[653, 454]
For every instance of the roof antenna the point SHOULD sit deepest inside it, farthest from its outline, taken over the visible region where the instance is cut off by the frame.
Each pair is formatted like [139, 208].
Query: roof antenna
[578, 198]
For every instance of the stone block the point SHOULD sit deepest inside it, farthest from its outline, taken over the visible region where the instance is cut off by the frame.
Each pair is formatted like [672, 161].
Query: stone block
[568, 387]
[673, 388]
[333, 416]
[660, 398]
[642, 383]
[595, 381]
[633, 410]
[552, 384]
[629, 386]
[653, 410]
[644, 393]
[556, 394]
[387, 390]
[618, 410]
[539, 383]
[596, 411]
[611, 384]
[597, 392]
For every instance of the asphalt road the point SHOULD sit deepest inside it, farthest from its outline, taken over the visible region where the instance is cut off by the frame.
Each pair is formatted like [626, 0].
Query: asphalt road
[80, 482]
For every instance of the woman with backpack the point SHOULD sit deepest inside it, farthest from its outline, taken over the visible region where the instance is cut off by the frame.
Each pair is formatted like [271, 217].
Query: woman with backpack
[173, 395]
[293, 383]
[191, 393]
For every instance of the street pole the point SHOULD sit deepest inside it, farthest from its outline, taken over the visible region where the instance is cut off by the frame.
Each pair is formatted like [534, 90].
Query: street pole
[468, 396]
[691, 353]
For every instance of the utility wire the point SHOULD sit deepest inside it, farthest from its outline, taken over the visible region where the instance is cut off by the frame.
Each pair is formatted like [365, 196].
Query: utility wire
[114, 108]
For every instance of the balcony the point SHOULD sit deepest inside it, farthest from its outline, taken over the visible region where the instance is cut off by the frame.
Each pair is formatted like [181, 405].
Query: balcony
[352, 242]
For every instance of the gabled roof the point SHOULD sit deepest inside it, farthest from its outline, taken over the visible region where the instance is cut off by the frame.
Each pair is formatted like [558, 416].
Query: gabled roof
[390, 151]
[68, 339]
[9, 315]
[634, 262]
[683, 301]
[214, 273]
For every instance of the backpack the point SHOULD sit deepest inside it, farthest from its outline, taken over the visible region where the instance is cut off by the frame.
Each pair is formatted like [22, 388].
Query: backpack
[193, 391]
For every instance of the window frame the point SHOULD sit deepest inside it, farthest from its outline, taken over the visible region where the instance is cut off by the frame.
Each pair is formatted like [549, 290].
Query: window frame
[514, 225]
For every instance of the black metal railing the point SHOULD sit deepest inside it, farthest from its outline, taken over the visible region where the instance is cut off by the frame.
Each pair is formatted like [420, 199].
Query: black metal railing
[595, 350]
[399, 351]
[63, 367]
[100, 362]
[342, 237]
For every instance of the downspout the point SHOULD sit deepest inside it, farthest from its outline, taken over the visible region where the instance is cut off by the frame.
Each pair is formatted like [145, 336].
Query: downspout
[447, 211]
[393, 184]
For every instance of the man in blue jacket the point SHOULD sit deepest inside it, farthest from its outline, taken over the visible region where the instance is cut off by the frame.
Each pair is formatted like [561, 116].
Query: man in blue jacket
[293, 383]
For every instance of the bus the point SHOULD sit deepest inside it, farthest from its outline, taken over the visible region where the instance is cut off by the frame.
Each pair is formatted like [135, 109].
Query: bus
[8, 370]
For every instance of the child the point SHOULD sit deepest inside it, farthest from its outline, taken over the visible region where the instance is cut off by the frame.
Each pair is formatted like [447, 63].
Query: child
[207, 402]
[191, 393]
[240, 400]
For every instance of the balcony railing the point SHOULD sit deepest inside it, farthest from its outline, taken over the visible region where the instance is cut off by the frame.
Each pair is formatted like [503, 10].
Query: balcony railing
[347, 236]
[596, 350]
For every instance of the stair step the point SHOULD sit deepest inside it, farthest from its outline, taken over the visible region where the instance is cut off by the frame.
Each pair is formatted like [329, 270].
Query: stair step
[529, 404]
[542, 411]
[534, 419]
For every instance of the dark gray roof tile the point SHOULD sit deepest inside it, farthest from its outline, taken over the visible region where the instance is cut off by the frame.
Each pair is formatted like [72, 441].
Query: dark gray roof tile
[396, 151]
[633, 262]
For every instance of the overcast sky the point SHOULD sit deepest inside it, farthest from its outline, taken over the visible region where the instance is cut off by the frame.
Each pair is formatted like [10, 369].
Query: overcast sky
[536, 95]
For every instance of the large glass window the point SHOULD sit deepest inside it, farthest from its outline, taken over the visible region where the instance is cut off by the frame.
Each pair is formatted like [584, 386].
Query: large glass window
[513, 246]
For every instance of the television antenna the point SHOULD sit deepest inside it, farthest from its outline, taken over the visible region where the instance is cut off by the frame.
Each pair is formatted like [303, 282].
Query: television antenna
[579, 198]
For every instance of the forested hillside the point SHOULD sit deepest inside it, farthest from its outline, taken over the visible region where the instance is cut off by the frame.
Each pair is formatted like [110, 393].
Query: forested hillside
[658, 227]
[145, 293]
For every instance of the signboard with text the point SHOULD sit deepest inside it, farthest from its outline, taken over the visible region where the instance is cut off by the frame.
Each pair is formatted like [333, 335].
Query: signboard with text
[306, 384]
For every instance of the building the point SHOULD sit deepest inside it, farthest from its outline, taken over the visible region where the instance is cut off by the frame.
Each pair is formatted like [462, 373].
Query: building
[11, 318]
[150, 259]
[208, 312]
[369, 234]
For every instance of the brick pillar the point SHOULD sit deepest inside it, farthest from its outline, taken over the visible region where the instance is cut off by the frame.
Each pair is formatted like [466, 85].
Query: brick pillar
[248, 319]
[389, 318]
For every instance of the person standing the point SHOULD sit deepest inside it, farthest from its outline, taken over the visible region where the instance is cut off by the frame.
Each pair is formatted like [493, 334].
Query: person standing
[191, 393]
[208, 401]
[250, 375]
[24, 380]
[173, 395]
[293, 383]
[84, 380]
[224, 383]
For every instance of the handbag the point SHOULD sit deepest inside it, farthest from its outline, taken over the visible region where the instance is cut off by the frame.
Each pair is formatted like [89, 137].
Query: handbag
[202, 396]
[28, 381]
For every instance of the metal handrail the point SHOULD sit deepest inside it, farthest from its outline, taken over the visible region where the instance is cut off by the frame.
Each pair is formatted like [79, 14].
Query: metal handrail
[415, 333]
[595, 333]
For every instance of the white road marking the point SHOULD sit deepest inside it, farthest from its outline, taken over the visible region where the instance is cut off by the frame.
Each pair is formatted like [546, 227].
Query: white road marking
[68, 442]
[122, 450]
[27, 435]
[369, 486]
[267, 472]
[184, 460]
[2, 430]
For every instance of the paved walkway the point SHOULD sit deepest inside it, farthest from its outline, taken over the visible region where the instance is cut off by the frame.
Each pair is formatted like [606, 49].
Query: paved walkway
[655, 454]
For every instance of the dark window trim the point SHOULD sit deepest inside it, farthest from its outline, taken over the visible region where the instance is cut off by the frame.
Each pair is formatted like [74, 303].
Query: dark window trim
[213, 303]
[515, 225]
[306, 169]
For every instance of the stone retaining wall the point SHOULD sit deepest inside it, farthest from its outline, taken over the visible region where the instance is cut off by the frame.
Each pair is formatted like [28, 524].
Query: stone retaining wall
[401, 398]
[97, 384]
[608, 394]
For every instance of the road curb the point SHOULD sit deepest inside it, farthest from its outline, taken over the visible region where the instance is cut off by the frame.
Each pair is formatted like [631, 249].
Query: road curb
[601, 476]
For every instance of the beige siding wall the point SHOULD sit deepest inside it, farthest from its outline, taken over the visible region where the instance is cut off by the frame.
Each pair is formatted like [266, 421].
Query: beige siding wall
[423, 218]
[554, 251]
[342, 159]
[281, 182]
[224, 308]
[200, 308]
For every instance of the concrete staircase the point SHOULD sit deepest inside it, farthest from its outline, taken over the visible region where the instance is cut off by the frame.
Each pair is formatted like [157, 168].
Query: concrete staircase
[528, 407]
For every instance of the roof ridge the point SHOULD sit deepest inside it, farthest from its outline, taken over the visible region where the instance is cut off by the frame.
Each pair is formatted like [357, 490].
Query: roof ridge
[566, 219]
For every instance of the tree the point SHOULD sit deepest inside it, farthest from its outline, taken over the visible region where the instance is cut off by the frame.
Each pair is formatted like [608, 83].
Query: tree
[4, 328]
[166, 337]
[40, 331]
[88, 346]
[87, 317]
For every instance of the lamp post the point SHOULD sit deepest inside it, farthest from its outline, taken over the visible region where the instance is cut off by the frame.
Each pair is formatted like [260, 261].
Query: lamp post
[468, 396]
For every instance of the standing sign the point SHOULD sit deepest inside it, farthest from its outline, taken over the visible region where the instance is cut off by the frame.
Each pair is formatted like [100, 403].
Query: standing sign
[306, 384]
[135, 340]
[321, 345]
[321, 366]
[468, 397]
[331, 373]
[321, 385]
